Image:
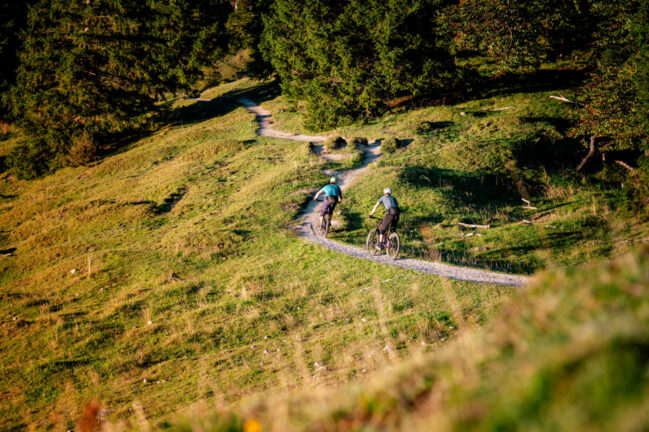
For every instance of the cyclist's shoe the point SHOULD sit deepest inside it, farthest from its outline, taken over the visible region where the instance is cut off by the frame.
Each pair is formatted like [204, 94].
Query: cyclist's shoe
[379, 247]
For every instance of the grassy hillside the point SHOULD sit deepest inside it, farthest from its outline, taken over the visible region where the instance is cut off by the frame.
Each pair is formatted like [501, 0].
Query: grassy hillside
[169, 274]
[568, 352]
[472, 163]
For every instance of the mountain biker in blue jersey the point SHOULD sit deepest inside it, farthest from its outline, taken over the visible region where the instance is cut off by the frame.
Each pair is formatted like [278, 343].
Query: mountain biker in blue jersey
[333, 195]
[392, 212]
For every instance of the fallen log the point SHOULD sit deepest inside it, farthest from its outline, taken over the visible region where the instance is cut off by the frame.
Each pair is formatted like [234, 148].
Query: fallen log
[464, 225]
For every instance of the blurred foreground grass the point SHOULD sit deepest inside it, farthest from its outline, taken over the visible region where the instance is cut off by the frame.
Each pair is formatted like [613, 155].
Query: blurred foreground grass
[569, 352]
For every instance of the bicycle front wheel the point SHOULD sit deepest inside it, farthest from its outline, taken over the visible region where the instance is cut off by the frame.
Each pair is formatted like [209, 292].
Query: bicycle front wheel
[394, 245]
[372, 241]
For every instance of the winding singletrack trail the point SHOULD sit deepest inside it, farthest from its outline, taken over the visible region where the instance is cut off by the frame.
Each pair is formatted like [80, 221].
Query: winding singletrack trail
[310, 216]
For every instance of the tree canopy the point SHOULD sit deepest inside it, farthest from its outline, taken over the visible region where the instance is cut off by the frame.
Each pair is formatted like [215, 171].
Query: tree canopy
[520, 33]
[94, 68]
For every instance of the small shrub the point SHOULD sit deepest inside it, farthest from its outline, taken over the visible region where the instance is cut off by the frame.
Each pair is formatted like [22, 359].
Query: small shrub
[390, 145]
[424, 127]
[359, 141]
[82, 150]
[420, 142]
[427, 127]
[29, 160]
[333, 143]
[310, 146]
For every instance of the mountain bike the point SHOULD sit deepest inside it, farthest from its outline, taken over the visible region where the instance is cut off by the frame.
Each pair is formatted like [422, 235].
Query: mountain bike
[391, 241]
[325, 225]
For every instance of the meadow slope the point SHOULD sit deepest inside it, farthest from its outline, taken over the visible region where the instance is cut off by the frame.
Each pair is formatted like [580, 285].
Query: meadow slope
[170, 274]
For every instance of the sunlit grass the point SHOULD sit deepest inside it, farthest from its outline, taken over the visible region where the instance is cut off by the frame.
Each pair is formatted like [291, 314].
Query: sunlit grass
[170, 274]
[472, 163]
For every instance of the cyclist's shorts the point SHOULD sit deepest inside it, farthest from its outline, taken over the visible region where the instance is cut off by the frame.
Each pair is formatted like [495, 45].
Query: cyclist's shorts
[328, 205]
[389, 219]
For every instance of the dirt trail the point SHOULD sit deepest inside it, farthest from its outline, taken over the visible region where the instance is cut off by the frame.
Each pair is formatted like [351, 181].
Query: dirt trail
[310, 215]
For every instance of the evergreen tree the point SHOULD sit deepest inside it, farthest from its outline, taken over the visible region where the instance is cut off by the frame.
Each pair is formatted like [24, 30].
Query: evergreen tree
[347, 58]
[12, 23]
[245, 26]
[92, 68]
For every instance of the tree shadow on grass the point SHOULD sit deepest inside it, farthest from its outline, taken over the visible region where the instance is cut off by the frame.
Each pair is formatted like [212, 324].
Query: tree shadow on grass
[471, 198]
[460, 189]
[199, 111]
[474, 197]
[351, 220]
[476, 86]
[528, 82]
[202, 110]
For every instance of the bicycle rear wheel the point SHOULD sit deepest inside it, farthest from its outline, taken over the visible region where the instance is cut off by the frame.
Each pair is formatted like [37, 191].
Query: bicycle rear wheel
[394, 245]
[372, 241]
[326, 224]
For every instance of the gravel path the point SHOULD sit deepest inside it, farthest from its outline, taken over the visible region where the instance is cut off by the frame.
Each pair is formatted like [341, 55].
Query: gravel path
[264, 122]
[310, 216]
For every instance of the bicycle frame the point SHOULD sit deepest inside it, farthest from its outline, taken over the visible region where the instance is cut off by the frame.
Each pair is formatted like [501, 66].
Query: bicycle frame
[388, 231]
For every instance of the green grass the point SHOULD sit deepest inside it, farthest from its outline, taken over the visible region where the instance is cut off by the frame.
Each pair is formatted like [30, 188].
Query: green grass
[191, 290]
[468, 163]
[170, 274]
[569, 352]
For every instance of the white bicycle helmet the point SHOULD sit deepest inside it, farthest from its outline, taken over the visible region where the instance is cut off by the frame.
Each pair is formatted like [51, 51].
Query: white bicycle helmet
[333, 180]
[387, 191]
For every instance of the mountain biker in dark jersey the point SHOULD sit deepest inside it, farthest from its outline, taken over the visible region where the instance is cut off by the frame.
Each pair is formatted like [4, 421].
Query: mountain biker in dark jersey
[333, 195]
[392, 212]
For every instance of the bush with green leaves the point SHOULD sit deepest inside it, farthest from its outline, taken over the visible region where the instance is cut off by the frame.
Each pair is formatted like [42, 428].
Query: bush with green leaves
[334, 143]
[390, 145]
[29, 160]
[358, 141]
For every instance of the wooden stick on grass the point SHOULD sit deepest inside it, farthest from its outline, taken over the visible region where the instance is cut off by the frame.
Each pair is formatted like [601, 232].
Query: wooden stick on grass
[528, 205]
[464, 225]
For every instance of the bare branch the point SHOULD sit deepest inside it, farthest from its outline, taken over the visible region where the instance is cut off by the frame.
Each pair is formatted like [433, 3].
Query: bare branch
[625, 165]
[562, 98]
[591, 152]
[528, 205]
